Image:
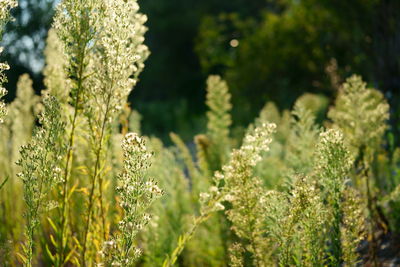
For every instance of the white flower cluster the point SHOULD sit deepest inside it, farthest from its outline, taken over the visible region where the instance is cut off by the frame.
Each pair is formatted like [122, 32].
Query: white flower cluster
[296, 222]
[40, 163]
[239, 168]
[5, 6]
[331, 136]
[136, 156]
[333, 166]
[3, 111]
[77, 24]
[72, 21]
[331, 151]
[245, 192]
[41, 158]
[119, 55]
[136, 195]
[257, 142]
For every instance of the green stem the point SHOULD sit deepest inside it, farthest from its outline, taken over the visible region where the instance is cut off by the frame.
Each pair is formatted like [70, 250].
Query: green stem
[93, 186]
[183, 239]
[3, 183]
[33, 214]
[67, 171]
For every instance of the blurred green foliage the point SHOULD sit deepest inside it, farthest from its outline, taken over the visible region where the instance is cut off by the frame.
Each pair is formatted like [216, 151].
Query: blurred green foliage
[267, 50]
[307, 45]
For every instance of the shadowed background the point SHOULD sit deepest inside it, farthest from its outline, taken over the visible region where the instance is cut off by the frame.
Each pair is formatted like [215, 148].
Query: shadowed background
[266, 50]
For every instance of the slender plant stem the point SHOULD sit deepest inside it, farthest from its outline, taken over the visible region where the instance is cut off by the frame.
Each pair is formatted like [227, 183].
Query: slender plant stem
[186, 237]
[68, 168]
[374, 243]
[93, 186]
[3, 183]
[31, 218]
[183, 239]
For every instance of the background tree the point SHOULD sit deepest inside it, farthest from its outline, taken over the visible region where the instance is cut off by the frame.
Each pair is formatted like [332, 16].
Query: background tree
[267, 50]
[302, 46]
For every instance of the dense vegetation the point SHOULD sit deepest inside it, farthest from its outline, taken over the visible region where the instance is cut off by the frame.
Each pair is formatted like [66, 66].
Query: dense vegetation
[311, 45]
[80, 185]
